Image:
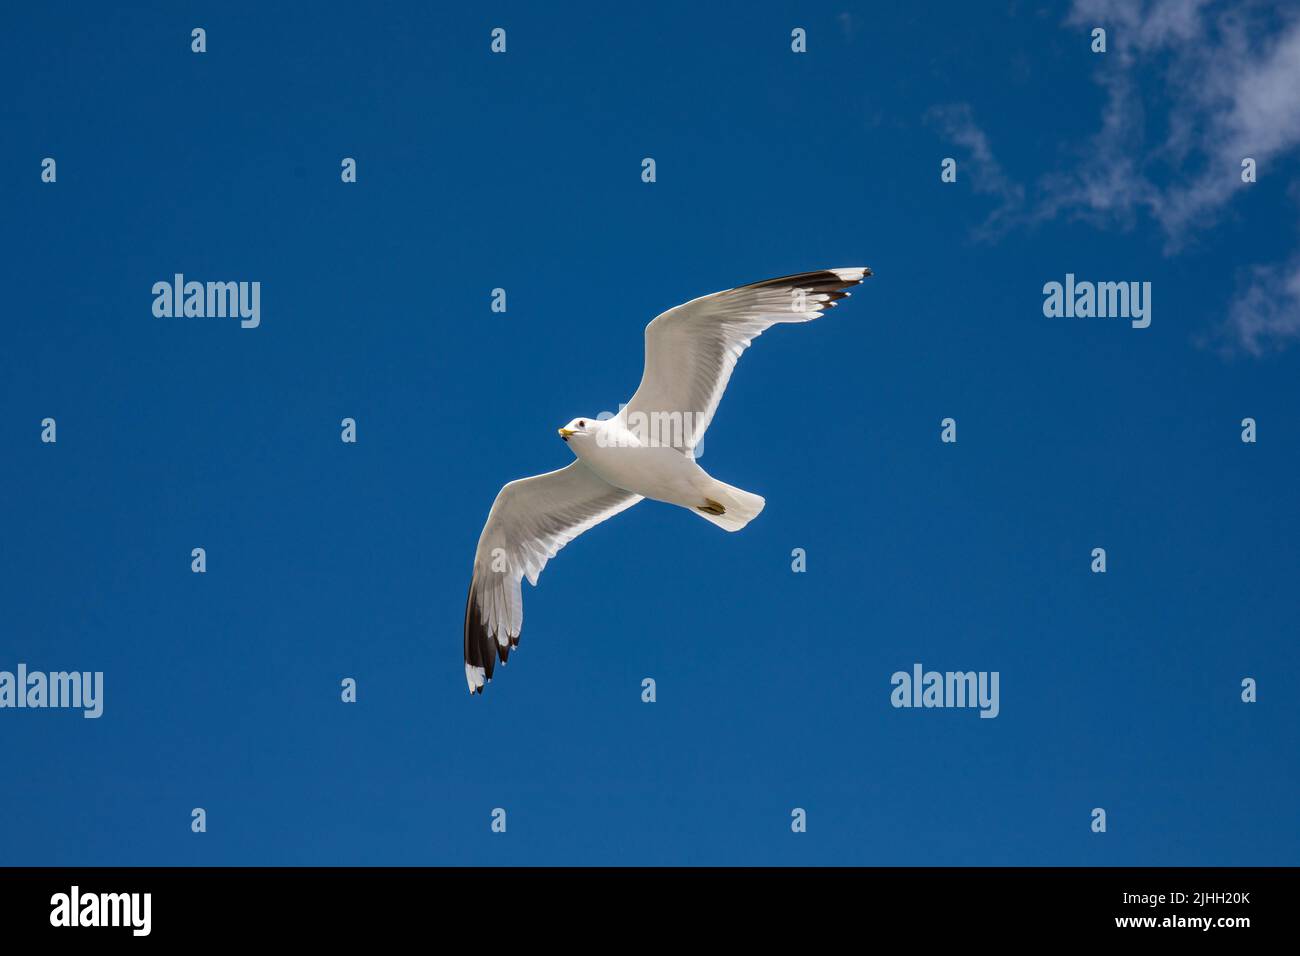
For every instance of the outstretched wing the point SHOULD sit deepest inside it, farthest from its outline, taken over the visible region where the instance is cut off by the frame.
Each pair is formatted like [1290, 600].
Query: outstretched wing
[691, 350]
[530, 521]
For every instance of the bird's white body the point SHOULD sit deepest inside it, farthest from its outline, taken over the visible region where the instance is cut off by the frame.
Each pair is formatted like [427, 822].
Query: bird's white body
[646, 464]
[650, 470]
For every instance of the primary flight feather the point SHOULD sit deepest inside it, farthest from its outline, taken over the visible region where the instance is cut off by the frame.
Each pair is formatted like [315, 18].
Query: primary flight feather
[645, 451]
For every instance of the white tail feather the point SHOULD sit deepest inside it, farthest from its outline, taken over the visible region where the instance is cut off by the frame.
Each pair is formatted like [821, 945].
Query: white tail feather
[742, 507]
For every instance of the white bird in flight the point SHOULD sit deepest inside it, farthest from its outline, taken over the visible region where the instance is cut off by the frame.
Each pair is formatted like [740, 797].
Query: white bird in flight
[645, 451]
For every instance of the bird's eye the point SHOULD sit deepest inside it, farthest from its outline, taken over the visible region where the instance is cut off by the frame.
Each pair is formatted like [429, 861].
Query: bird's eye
[582, 424]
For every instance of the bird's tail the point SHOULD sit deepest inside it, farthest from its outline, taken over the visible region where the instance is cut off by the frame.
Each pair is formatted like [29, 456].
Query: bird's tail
[729, 507]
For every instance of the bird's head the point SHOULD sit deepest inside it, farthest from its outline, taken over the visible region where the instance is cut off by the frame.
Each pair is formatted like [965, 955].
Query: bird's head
[579, 429]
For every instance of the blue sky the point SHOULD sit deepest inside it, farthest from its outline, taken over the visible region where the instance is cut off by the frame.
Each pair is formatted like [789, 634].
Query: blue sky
[522, 171]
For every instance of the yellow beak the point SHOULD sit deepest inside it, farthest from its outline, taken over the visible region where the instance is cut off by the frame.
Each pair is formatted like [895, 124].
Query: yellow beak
[566, 432]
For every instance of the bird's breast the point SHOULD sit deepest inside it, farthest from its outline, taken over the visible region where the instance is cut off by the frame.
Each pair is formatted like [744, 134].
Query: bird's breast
[664, 474]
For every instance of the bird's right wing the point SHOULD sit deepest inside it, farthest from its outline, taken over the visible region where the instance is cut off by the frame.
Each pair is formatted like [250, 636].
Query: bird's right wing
[692, 349]
[531, 520]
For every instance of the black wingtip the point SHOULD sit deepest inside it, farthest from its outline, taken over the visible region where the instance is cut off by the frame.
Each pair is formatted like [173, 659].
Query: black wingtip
[478, 642]
[482, 647]
[828, 282]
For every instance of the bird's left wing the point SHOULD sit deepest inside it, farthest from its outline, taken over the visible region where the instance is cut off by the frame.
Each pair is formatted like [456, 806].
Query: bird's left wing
[530, 521]
[692, 349]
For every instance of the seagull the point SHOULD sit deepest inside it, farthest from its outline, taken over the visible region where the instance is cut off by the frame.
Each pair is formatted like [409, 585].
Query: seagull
[647, 450]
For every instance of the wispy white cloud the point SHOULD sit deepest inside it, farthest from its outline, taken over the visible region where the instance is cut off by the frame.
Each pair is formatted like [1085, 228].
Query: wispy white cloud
[958, 127]
[1192, 87]
[1265, 316]
[1225, 80]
